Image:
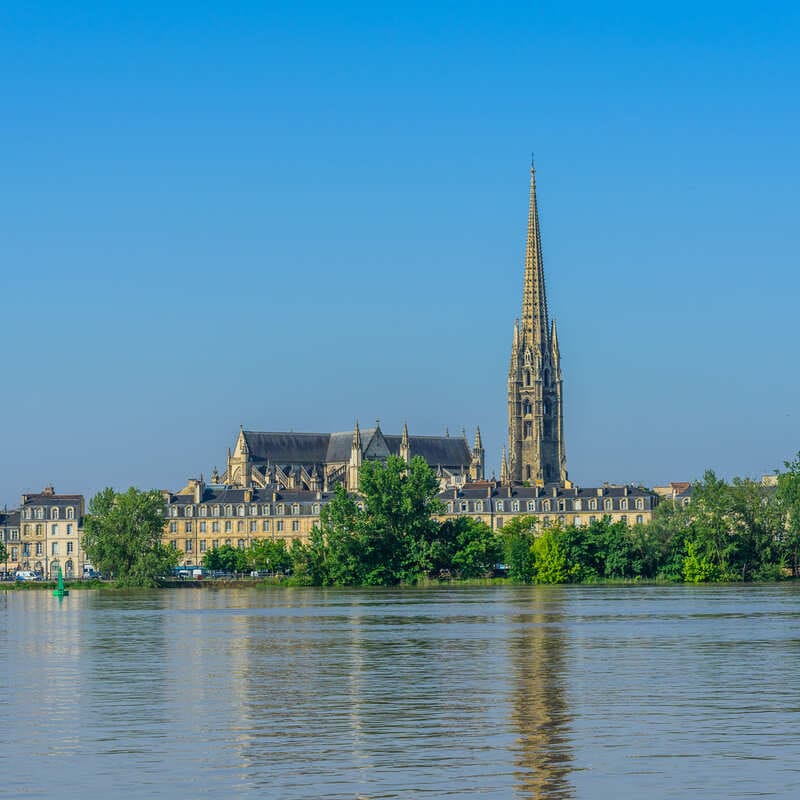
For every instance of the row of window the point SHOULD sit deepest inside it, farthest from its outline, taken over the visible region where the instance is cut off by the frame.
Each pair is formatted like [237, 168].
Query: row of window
[188, 544]
[576, 521]
[240, 511]
[40, 513]
[38, 529]
[228, 526]
[545, 505]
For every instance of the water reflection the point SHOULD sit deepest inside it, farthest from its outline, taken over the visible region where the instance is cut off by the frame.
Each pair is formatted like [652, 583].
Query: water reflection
[540, 713]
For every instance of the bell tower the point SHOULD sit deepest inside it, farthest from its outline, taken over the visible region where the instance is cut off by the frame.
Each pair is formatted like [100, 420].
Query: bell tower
[535, 420]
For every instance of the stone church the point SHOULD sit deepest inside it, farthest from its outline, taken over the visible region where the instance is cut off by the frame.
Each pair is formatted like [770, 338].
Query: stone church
[535, 420]
[319, 461]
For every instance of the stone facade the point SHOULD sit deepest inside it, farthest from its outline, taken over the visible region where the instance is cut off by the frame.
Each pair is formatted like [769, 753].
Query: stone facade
[536, 451]
[9, 536]
[51, 528]
[553, 504]
[318, 462]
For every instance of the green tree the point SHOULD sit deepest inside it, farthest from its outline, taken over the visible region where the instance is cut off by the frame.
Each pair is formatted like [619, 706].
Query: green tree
[477, 549]
[517, 537]
[698, 568]
[788, 504]
[122, 536]
[266, 554]
[3, 551]
[226, 558]
[550, 557]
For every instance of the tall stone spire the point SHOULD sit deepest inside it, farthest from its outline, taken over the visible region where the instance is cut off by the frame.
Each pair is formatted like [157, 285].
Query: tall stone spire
[535, 422]
[534, 299]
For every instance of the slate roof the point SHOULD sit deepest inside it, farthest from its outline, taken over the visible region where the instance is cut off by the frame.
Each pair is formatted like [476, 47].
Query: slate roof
[279, 447]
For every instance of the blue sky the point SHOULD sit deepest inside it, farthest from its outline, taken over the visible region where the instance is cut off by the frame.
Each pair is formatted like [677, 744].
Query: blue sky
[292, 215]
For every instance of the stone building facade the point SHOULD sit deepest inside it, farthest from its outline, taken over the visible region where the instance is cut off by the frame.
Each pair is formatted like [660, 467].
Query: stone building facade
[9, 536]
[51, 528]
[536, 452]
[553, 504]
[318, 462]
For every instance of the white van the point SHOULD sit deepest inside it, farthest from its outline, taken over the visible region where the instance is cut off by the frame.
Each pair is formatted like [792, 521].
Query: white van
[25, 575]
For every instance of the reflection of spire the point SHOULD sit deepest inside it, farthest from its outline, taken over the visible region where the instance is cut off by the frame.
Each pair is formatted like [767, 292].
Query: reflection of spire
[540, 713]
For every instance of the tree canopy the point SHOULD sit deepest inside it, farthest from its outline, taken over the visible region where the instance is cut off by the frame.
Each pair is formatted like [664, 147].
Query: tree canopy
[123, 536]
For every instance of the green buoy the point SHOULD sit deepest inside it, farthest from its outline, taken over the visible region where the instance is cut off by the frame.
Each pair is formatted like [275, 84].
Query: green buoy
[60, 591]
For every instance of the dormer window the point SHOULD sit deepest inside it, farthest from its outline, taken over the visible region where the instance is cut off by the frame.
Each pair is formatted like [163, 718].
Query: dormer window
[189, 511]
[499, 506]
[449, 508]
[265, 510]
[479, 505]
[593, 505]
[607, 504]
[228, 510]
[70, 512]
[253, 511]
[639, 503]
[173, 512]
[39, 513]
[295, 508]
[531, 505]
[623, 504]
[515, 505]
[240, 511]
[215, 511]
[577, 505]
[53, 513]
[545, 505]
[464, 506]
[203, 511]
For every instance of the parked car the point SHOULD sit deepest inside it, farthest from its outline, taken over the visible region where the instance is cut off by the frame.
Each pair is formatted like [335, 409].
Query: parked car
[26, 575]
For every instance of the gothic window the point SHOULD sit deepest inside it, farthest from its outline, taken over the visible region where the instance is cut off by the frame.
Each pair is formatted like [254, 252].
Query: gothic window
[527, 430]
[544, 409]
[526, 407]
[527, 377]
[527, 472]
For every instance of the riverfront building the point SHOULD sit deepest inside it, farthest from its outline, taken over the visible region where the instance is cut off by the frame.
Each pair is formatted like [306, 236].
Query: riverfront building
[51, 528]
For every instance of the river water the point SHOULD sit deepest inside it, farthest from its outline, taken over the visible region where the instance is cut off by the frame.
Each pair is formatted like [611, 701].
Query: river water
[491, 692]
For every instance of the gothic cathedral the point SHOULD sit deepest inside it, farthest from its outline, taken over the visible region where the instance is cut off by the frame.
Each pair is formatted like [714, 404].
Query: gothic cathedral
[535, 421]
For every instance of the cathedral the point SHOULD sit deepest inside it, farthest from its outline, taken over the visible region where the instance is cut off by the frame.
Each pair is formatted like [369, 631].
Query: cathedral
[535, 419]
[319, 461]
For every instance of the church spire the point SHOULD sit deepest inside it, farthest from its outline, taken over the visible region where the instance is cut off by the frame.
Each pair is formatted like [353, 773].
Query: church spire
[534, 300]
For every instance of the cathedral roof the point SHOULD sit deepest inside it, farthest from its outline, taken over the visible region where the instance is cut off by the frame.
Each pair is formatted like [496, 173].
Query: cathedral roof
[281, 447]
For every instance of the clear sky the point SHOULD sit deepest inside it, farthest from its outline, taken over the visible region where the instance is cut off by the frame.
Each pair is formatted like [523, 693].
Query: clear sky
[292, 215]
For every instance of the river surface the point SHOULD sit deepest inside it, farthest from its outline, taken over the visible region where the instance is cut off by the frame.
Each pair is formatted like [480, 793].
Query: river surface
[491, 692]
